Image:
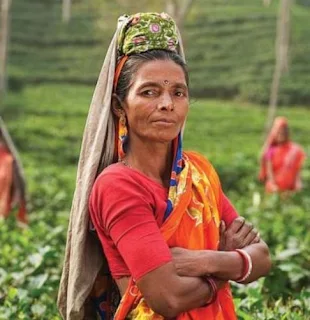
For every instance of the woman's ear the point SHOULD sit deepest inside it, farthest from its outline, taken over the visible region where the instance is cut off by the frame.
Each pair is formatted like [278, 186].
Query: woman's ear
[117, 107]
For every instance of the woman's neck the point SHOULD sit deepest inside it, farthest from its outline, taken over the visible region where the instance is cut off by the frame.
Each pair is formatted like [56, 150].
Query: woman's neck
[153, 160]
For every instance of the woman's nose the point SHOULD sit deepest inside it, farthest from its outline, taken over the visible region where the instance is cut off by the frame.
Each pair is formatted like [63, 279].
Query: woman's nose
[166, 102]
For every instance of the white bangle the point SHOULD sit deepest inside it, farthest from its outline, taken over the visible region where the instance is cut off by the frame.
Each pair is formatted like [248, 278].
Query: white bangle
[247, 263]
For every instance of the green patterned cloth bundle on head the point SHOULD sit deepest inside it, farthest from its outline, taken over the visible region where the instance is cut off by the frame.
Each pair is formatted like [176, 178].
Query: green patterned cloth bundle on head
[148, 31]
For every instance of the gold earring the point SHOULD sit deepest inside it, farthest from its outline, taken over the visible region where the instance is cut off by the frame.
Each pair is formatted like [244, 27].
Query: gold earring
[122, 136]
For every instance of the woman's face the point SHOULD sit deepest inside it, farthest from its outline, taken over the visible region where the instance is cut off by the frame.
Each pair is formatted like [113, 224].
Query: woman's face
[282, 135]
[157, 101]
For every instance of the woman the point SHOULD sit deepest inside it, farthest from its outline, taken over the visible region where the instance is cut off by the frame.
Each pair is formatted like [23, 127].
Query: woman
[12, 182]
[281, 160]
[156, 210]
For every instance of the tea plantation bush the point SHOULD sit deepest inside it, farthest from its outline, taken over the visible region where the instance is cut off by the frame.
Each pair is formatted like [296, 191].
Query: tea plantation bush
[46, 123]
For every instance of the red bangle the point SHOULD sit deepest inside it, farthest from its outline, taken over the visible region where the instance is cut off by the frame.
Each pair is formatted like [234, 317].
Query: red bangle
[247, 265]
[213, 288]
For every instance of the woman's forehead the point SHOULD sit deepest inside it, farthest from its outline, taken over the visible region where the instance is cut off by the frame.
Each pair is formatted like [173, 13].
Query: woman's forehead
[159, 71]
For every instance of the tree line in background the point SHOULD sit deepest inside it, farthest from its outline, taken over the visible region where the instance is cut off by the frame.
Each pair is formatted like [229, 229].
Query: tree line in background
[179, 10]
[66, 10]
[4, 39]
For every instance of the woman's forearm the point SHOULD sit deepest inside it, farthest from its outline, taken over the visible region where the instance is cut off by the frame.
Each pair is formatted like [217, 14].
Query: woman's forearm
[173, 294]
[230, 265]
[191, 293]
[225, 265]
[261, 260]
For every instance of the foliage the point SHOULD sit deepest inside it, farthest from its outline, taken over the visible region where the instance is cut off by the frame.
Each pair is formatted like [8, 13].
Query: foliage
[46, 123]
[229, 46]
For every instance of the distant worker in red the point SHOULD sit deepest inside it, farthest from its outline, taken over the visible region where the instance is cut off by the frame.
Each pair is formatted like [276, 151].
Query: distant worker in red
[12, 182]
[281, 160]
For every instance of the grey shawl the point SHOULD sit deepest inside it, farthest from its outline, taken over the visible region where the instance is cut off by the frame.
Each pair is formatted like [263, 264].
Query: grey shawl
[83, 256]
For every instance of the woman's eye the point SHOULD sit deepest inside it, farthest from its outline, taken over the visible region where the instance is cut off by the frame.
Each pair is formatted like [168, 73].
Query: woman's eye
[149, 93]
[180, 94]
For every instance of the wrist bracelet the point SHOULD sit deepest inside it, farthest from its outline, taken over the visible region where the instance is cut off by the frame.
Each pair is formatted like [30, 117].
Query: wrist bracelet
[247, 264]
[213, 288]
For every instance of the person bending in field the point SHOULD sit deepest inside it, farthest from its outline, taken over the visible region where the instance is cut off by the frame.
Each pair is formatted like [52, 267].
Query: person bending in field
[12, 183]
[281, 160]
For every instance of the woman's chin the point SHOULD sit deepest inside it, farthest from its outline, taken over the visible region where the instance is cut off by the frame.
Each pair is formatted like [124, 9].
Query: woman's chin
[165, 138]
[160, 136]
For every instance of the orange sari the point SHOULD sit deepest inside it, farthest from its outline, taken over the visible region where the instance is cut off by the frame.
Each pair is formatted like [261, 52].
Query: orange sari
[193, 224]
[286, 161]
[6, 181]
[8, 188]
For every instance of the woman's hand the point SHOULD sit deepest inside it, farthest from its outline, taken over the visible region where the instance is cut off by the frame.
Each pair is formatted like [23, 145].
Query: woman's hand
[298, 183]
[272, 186]
[238, 235]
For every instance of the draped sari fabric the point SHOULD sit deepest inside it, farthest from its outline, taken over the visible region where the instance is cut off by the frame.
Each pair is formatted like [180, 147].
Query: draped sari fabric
[12, 179]
[6, 181]
[192, 224]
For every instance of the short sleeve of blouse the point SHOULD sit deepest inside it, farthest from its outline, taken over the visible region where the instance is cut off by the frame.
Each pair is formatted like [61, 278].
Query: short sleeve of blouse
[122, 209]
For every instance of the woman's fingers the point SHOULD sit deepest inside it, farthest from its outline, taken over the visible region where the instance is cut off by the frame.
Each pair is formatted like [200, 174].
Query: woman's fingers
[222, 240]
[236, 225]
[257, 239]
[240, 234]
[178, 251]
[251, 237]
[245, 230]
[222, 227]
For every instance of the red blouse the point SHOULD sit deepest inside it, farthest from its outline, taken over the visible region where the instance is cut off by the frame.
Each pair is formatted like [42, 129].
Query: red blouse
[127, 208]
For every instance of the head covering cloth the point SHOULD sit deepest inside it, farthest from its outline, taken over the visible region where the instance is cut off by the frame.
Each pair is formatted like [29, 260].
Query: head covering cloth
[19, 182]
[278, 124]
[83, 257]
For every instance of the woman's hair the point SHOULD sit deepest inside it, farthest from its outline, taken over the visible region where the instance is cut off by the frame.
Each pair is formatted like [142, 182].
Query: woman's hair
[135, 61]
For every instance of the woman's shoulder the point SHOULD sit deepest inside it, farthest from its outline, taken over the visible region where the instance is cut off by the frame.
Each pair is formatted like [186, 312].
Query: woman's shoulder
[113, 174]
[199, 159]
[204, 168]
[114, 169]
[121, 184]
[298, 150]
[114, 181]
[118, 176]
[296, 146]
[203, 164]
